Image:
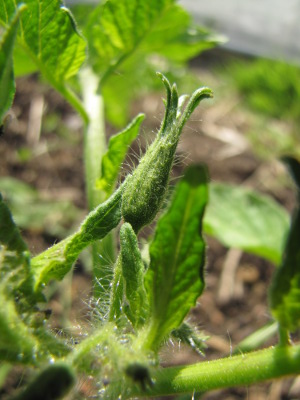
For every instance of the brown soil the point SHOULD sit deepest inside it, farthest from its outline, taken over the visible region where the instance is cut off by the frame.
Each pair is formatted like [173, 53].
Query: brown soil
[214, 136]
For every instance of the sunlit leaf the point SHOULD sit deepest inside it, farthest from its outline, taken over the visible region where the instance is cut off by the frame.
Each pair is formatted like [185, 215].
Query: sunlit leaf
[49, 36]
[247, 220]
[116, 28]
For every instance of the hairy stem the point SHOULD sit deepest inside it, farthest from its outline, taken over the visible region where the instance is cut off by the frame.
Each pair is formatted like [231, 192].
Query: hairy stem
[239, 370]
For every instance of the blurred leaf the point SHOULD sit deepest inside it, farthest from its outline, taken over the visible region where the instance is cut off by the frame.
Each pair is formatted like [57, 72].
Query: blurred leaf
[17, 344]
[285, 287]
[113, 158]
[5, 368]
[48, 34]
[269, 86]
[53, 383]
[175, 278]
[244, 219]
[7, 82]
[176, 38]
[32, 212]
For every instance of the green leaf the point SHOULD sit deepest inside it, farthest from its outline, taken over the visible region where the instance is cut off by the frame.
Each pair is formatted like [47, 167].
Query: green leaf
[57, 261]
[176, 38]
[7, 82]
[175, 278]
[31, 211]
[48, 34]
[285, 287]
[137, 38]
[113, 158]
[245, 219]
[116, 28]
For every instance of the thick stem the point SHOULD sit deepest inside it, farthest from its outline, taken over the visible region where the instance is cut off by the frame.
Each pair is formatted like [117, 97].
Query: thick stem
[240, 370]
[94, 149]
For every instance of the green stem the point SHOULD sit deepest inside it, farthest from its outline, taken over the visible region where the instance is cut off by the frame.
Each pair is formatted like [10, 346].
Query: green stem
[94, 148]
[94, 139]
[240, 370]
[284, 336]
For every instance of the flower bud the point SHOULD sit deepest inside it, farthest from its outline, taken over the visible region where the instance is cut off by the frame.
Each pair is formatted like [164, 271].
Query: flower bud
[145, 189]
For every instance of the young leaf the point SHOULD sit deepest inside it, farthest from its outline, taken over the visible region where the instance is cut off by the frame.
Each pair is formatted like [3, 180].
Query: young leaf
[245, 219]
[175, 278]
[7, 82]
[117, 148]
[57, 261]
[49, 35]
[285, 287]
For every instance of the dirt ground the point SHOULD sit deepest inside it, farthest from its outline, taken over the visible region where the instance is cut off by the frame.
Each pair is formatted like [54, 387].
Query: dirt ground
[43, 147]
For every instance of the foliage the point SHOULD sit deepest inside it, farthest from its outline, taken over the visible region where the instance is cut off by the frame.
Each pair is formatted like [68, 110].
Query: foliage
[276, 83]
[140, 304]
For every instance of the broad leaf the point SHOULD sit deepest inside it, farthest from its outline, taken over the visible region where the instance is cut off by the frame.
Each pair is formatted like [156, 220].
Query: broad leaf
[245, 219]
[113, 158]
[175, 278]
[7, 82]
[57, 261]
[285, 288]
[116, 28]
[49, 36]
